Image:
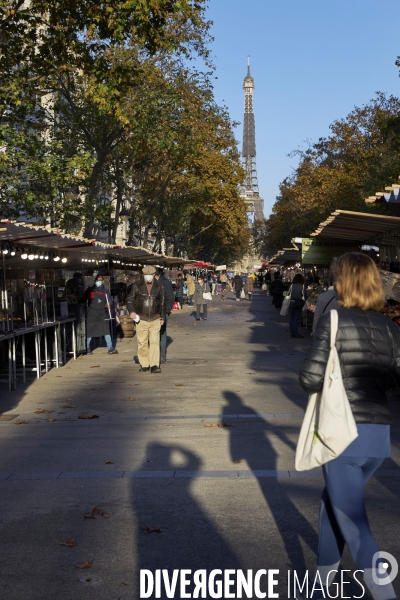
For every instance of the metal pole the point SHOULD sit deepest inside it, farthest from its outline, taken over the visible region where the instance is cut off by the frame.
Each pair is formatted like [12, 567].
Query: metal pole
[52, 293]
[23, 358]
[73, 339]
[5, 292]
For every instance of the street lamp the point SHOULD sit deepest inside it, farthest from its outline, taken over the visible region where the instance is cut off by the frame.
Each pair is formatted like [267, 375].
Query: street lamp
[72, 192]
[124, 214]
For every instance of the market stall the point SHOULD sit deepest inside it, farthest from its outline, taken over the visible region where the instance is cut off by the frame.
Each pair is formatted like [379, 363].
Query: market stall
[43, 275]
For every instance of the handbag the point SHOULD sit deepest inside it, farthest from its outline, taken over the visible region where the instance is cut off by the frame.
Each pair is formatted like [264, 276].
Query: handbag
[328, 426]
[298, 303]
[243, 294]
[207, 296]
[286, 304]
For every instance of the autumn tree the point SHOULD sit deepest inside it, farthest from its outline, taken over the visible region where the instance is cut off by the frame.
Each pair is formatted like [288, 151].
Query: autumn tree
[338, 172]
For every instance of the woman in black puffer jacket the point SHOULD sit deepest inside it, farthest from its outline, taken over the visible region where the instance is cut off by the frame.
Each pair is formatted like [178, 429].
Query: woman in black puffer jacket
[368, 345]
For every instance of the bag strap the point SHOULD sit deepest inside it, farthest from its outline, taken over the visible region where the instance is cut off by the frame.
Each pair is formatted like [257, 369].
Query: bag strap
[326, 306]
[334, 326]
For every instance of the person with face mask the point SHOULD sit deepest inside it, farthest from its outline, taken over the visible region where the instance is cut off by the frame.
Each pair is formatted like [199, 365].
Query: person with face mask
[97, 319]
[147, 306]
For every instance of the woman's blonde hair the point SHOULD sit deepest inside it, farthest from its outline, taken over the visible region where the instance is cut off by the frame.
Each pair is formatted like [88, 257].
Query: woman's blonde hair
[358, 282]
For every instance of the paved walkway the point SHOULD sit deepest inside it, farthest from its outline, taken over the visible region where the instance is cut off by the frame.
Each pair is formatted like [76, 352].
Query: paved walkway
[203, 451]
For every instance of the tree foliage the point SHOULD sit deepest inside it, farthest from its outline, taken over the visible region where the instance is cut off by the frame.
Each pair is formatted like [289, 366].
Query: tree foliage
[101, 96]
[358, 159]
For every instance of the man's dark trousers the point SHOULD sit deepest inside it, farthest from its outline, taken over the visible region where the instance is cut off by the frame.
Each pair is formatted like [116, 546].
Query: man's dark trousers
[163, 340]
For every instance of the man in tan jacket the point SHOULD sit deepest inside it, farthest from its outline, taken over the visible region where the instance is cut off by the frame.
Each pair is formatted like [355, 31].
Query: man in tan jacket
[191, 287]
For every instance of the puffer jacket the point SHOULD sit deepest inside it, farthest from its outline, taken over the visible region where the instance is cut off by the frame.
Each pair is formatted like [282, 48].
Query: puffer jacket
[148, 306]
[368, 344]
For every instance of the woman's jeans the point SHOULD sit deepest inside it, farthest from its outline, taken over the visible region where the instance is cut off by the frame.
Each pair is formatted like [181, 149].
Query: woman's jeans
[106, 337]
[343, 520]
[198, 308]
[294, 314]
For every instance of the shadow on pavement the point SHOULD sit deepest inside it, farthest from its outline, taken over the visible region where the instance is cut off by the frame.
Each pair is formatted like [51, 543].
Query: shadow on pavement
[189, 540]
[292, 525]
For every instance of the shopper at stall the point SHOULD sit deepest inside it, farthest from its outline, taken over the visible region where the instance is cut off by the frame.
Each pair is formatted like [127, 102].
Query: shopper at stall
[98, 315]
[199, 300]
[169, 301]
[368, 344]
[276, 290]
[146, 306]
[238, 286]
[327, 300]
[179, 290]
[297, 301]
[248, 286]
[191, 286]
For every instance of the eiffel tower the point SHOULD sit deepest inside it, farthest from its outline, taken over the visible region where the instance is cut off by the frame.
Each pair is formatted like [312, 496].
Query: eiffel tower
[250, 192]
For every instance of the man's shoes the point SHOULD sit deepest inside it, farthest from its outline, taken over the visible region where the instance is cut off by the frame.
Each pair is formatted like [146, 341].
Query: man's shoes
[136, 359]
[144, 369]
[197, 318]
[155, 369]
[113, 351]
[205, 319]
[88, 351]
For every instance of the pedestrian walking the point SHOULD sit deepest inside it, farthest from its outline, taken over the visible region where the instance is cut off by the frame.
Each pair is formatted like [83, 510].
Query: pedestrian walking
[223, 279]
[147, 301]
[276, 290]
[191, 286]
[368, 345]
[98, 315]
[248, 286]
[327, 300]
[169, 301]
[199, 300]
[267, 281]
[238, 286]
[179, 290]
[297, 301]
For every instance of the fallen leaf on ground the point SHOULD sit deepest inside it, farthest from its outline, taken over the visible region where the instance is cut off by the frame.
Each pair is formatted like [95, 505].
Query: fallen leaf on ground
[95, 367]
[50, 420]
[96, 514]
[108, 462]
[88, 580]
[61, 412]
[211, 425]
[249, 373]
[40, 411]
[124, 361]
[58, 375]
[124, 584]
[88, 417]
[179, 384]
[67, 406]
[218, 425]
[86, 565]
[151, 529]
[191, 362]
[237, 462]
[21, 422]
[68, 543]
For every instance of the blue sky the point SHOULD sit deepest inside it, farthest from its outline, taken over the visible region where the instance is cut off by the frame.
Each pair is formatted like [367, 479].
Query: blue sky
[312, 61]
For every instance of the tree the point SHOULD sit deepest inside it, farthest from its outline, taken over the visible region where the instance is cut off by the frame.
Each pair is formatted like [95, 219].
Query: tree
[358, 159]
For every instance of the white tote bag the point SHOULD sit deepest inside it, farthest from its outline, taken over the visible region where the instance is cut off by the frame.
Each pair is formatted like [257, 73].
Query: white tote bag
[328, 427]
[286, 304]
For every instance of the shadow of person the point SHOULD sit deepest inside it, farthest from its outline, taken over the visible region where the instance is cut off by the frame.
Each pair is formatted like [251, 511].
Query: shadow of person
[252, 442]
[189, 539]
